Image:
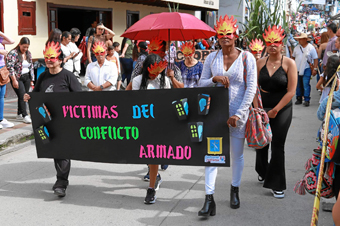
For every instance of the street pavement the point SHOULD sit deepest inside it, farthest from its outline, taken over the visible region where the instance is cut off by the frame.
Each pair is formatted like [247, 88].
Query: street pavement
[113, 194]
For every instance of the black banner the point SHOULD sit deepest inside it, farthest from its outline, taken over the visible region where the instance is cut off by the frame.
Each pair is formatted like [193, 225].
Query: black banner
[175, 126]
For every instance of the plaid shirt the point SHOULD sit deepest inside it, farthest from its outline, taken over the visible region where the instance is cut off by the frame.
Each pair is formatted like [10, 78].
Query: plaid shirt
[14, 66]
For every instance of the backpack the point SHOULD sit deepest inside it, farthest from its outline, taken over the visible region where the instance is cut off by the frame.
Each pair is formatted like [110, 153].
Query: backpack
[310, 179]
[83, 48]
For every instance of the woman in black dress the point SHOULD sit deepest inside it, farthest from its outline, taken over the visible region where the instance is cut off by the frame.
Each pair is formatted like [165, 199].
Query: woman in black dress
[277, 80]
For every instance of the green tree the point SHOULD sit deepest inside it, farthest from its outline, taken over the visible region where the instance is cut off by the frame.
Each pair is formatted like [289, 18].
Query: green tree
[261, 16]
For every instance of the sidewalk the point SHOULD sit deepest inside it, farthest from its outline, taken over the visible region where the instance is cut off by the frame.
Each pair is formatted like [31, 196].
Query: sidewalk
[19, 131]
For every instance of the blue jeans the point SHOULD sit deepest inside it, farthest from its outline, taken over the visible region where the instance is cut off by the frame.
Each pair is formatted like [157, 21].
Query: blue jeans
[303, 86]
[127, 65]
[2, 101]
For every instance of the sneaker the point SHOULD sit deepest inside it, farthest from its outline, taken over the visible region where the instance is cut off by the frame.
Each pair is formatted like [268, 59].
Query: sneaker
[147, 176]
[19, 118]
[27, 119]
[158, 182]
[6, 124]
[261, 180]
[164, 167]
[60, 192]
[278, 194]
[297, 102]
[150, 196]
[306, 103]
[1, 126]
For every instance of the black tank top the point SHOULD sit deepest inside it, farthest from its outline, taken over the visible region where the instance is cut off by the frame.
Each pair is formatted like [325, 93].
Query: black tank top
[275, 86]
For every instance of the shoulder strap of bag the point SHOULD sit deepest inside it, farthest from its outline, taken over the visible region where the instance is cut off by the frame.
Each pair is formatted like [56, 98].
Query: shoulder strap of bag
[244, 59]
[258, 94]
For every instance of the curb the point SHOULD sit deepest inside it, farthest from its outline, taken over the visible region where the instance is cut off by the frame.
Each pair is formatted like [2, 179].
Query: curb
[16, 147]
[15, 139]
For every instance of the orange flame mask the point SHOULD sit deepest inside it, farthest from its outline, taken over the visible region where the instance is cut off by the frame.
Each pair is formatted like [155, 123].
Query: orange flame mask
[99, 48]
[157, 68]
[226, 27]
[52, 51]
[273, 36]
[256, 46]
[155, 45]
[188, 49]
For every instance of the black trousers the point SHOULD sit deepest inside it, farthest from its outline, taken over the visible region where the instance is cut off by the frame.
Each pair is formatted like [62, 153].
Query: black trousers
[274, 171]
[63, 167]
[24, 86]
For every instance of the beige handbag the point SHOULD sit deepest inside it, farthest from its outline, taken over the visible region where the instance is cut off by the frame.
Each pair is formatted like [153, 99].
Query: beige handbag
[4, 76]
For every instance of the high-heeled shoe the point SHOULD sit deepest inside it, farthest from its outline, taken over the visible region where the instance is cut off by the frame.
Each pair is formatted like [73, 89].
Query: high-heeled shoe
[234, 198]
[209, 207]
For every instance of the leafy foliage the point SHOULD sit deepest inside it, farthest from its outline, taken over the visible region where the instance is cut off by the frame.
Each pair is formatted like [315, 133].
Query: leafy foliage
[175, 9]
[261, 16]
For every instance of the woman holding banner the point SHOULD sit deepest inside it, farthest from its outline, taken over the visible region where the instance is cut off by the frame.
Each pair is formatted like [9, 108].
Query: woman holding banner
[226, 68]
[157, 46]
[152, 77]
[57, 79]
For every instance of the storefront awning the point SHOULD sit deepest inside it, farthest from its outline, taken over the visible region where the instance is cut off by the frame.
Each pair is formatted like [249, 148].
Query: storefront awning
[206, 5]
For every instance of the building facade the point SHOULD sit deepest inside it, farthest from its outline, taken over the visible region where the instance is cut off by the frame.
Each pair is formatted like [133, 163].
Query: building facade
[36, 18]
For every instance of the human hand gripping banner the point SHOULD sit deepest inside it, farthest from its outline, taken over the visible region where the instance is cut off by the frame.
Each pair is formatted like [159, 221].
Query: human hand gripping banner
[174, 126]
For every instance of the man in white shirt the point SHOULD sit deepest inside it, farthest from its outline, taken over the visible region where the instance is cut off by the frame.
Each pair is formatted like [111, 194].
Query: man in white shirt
[306, 59]
[101, 75]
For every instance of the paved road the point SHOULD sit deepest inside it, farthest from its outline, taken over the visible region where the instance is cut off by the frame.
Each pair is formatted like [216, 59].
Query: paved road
[113, 194]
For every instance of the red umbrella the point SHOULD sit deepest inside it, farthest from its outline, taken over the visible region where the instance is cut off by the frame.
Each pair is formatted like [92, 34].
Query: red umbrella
[169, 27]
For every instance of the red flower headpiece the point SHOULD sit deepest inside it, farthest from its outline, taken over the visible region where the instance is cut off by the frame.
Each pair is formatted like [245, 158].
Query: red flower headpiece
[155, 45]
[256, 46]
[52, 51]
[273, 35]
[157, 68]
[99, 48]
[226, 27]
[188, 49]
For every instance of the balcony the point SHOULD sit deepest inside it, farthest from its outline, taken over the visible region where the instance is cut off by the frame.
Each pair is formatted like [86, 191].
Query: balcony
[184, 4]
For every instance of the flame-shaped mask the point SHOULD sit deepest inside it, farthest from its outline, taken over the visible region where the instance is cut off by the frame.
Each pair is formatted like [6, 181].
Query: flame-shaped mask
[155, 45]
[157, 68]
[52, 51]
[99, 49]
[226, 27]
[188, 49]
[256, 46]
[273, 36]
